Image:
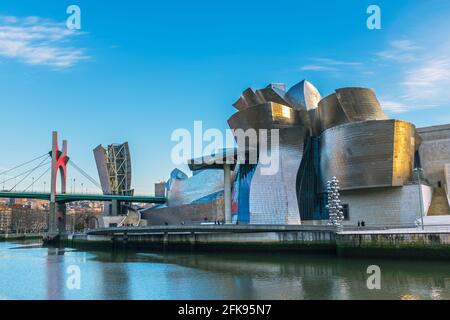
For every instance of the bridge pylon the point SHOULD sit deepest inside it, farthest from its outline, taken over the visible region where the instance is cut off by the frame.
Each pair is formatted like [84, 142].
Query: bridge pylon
[57, 213]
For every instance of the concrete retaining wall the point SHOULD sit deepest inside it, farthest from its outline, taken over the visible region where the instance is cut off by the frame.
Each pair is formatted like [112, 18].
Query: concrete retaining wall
[318, 241]
[20, 236]
[397, 244]
[413, 245]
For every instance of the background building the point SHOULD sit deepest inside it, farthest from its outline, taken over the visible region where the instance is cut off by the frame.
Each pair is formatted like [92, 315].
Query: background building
[434, 156]
[24, 219]
[160, 189]
[114, 170]
[5, 219]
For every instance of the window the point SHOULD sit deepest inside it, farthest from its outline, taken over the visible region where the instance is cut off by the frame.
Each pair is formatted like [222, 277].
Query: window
[346, 211]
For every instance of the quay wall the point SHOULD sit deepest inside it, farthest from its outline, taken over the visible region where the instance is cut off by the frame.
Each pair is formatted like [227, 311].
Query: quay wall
[317, 241]
[395, 245]
[320, 239]
[20, 236]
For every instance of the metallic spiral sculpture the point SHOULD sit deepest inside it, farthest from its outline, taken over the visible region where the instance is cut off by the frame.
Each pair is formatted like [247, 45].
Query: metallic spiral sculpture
[334, 207]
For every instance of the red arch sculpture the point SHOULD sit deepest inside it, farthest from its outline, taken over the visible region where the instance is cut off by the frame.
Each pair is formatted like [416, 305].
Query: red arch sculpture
[57, 219]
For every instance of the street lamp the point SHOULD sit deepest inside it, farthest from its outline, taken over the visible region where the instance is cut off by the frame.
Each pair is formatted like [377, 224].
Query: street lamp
[32, 184]
[419, 172]
[44, 185]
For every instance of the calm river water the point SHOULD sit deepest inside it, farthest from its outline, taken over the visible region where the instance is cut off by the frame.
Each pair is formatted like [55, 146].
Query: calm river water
[29, 271]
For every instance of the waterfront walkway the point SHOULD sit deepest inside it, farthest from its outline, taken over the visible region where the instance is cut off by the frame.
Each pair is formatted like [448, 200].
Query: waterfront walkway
[417, 230]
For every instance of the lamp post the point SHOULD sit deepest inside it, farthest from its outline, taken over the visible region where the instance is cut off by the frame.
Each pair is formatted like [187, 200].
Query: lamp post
[44, 185]
[419, 173]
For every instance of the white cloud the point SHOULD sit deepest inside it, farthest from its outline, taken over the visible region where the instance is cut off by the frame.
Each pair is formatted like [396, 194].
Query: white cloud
[400, 106]
[316, 67]
[400, 51]
[37, 41]
[393, 106]
[429, 80]
[334, 62]
[326, 64]
[423, 79]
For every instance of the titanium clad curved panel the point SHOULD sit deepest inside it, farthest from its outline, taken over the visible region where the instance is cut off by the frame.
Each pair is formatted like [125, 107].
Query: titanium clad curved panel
[199, 185]
[249, 98]
[404, 150]
[240, 104]
[266, 116]
[304, 95]
[331, 113]
[273, 197]
[360, 104]
[273, 94]
[314, 121]
[368, 154]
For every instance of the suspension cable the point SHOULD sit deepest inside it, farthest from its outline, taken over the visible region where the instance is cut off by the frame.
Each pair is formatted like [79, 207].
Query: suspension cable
[25, 172]
[23, 164]
[48, 169]
[30, 171]
[85, 174]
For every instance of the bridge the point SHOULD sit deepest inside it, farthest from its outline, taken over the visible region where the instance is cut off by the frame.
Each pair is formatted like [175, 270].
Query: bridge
[58, 165]
[68, 197]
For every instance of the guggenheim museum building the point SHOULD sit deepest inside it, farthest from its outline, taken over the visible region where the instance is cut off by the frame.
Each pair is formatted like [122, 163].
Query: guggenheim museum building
[389, 171]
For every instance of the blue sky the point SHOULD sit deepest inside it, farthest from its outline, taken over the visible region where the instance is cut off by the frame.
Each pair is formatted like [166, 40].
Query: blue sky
[138, 70]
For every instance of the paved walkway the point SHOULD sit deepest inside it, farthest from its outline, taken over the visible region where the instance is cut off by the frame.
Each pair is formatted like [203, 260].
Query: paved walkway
[427, 229]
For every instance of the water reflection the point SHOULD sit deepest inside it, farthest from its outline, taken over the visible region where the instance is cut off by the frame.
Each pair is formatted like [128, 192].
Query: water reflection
[55, 274]
[113, 279]
[41, 273]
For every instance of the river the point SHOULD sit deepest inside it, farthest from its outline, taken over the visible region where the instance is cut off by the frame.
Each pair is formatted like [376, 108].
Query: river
[30, 271]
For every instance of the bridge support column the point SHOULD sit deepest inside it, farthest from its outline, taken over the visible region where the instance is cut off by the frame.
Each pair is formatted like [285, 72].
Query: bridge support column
[57, 213]
[115, 208]
[61, 217]
[56, 219]
[227, 192]
[52, 226]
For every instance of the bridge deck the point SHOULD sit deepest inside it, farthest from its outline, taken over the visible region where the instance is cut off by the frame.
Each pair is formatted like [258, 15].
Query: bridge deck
[63, 198]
